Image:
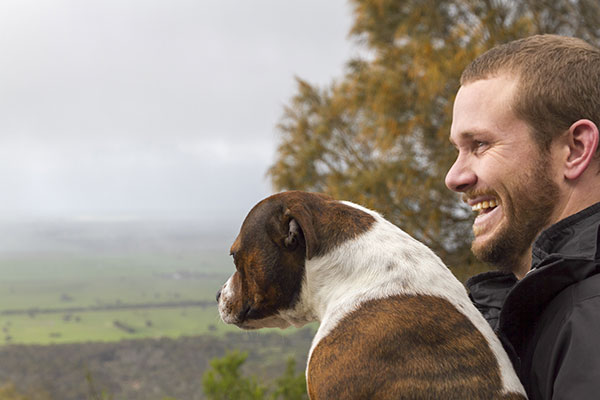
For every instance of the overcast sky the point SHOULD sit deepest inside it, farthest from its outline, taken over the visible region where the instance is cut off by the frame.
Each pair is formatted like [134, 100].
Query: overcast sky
[153, 108]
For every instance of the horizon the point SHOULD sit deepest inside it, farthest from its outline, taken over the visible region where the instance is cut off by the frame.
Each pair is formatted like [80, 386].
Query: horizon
[110, 236]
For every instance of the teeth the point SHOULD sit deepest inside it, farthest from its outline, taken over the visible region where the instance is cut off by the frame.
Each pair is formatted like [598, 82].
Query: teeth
[484, 204]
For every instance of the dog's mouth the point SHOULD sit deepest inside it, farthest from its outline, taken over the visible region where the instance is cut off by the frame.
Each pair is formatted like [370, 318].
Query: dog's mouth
[245, 313]
[244, 317]
[251, 318]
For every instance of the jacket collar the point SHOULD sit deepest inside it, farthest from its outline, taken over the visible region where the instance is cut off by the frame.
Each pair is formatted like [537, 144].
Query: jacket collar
[574, 236]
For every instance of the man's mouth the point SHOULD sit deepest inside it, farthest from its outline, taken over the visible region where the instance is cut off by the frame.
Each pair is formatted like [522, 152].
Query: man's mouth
[489, 214]
[484, 206]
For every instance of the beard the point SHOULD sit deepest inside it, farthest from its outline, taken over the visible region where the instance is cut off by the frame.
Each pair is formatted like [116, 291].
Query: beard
[530, 200]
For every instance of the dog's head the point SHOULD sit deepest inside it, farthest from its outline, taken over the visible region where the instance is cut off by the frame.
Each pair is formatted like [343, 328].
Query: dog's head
[277, 237]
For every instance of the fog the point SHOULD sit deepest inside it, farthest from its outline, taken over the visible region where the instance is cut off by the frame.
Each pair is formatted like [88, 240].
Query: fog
[117, 111]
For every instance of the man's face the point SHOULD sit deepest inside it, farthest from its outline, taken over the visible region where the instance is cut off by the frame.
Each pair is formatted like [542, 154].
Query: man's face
[500, 171]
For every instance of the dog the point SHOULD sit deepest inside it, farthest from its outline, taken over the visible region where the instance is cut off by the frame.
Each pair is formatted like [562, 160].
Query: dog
[394, 321]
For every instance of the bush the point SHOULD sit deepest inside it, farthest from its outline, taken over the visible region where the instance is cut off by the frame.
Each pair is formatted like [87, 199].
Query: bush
[224, 381]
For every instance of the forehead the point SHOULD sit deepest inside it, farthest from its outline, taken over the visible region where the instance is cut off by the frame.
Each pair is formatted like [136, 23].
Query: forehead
[485, 106]
[255, 224]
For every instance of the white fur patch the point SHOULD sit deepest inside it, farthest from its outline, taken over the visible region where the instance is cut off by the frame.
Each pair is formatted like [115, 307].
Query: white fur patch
[224, 300]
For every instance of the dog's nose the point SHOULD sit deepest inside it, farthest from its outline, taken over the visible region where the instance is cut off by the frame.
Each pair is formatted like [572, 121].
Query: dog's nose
[218, 295]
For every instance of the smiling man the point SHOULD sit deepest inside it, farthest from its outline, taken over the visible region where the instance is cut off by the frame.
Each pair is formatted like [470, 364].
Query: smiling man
[525, 125]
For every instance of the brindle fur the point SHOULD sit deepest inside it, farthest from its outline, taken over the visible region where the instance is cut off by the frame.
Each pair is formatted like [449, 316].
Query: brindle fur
[437, 354]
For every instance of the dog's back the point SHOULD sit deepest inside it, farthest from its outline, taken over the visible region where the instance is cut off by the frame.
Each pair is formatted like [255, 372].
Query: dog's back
[402, 327]
[405, 347]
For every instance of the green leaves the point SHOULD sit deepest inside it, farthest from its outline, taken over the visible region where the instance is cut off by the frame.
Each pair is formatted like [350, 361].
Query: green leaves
[224, 381]
[291, 385]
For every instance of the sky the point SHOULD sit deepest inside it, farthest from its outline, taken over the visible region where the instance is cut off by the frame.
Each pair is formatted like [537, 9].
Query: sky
[133, 109]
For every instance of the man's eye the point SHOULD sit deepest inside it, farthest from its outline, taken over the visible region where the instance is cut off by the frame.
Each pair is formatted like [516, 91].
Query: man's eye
[479, 146]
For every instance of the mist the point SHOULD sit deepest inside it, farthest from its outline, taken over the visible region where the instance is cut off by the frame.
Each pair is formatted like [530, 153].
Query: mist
[121, 112]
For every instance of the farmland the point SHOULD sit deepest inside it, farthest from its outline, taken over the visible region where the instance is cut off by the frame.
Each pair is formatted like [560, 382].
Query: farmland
[60, 298]
[88, 282]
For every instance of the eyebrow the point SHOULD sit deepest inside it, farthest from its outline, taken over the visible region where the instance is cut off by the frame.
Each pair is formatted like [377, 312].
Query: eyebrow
[462, 136]
[470, 135]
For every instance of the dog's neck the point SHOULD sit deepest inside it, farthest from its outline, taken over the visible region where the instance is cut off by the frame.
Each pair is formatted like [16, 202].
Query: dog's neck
[377, 264]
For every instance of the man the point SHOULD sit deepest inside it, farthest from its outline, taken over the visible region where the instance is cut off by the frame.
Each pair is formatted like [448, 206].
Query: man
[525, 125]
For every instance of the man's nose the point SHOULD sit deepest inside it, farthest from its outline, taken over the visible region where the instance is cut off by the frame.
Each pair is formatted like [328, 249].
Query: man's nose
[460, 177]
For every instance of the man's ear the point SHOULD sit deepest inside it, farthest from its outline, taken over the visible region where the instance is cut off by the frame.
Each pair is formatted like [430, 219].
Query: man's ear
[582, 142]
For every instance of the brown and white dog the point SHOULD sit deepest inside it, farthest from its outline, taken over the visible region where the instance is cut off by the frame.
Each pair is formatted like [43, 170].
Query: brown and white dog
[394, 322]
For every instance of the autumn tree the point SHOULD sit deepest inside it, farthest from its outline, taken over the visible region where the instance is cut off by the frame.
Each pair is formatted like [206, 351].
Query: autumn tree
[379, 134]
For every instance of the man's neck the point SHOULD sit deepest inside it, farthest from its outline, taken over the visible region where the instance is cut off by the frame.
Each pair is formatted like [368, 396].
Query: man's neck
[578, 195]
[523, 266]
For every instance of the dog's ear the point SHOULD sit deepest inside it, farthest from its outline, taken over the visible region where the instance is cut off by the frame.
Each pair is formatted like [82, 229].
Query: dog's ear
[300, 224]
[293, 236]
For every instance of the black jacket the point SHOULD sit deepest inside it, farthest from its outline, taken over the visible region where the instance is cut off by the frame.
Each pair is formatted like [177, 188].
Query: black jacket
[549, 322]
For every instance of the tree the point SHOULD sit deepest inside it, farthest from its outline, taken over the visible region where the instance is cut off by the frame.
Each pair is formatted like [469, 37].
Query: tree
[224, 380]
[291, 385]
[379, 135]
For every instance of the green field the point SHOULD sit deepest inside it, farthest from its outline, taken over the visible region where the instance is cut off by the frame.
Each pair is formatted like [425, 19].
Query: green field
[40, 285]
[55, 280]
[111, 326]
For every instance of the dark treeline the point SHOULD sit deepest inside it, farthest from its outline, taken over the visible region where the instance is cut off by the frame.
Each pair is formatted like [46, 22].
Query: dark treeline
[144, 369]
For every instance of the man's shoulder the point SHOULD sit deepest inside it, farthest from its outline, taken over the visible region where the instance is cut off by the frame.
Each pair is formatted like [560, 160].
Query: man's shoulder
[570, 300]
[586, 290]
[575, 298]
[564, 344]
